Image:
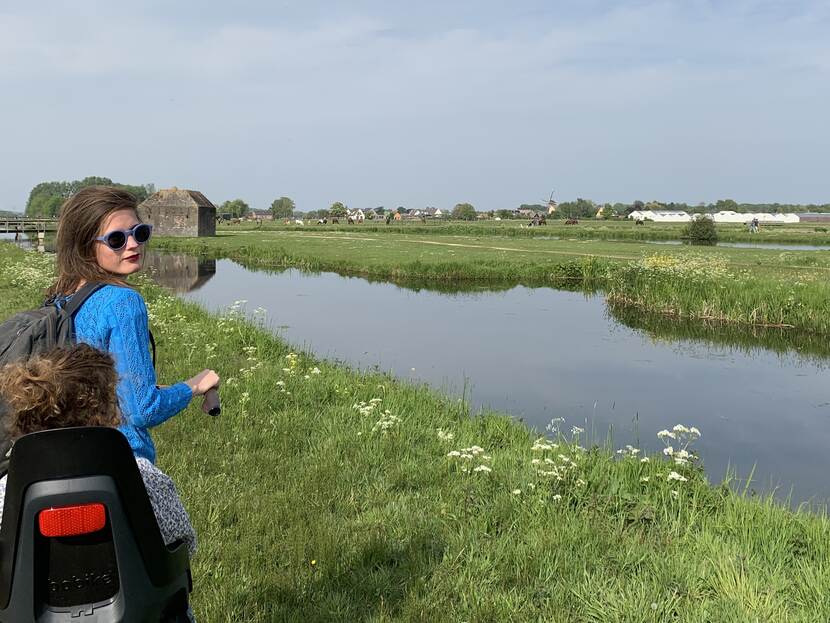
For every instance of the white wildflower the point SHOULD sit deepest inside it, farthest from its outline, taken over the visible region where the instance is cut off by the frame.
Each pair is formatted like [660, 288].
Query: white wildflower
[444, 435]
[482, 468]
[677, 477]
[386, 422]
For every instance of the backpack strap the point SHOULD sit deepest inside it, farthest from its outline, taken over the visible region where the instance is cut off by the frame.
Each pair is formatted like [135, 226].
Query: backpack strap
[153, 344]
[80, 297]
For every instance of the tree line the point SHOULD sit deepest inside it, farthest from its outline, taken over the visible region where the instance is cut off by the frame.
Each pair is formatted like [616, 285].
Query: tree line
[46, 198]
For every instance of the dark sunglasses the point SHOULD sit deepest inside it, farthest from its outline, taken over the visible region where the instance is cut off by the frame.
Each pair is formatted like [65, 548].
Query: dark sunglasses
[117, 239]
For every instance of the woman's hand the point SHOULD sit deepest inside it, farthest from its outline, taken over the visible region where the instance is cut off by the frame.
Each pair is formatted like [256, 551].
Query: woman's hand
[202, 382]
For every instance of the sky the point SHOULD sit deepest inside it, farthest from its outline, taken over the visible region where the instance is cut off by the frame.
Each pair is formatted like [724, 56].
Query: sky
[420, 103]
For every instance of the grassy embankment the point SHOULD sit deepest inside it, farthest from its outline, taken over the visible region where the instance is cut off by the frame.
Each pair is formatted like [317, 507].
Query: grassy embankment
[744, 286]
[313, 505]
[798, 233]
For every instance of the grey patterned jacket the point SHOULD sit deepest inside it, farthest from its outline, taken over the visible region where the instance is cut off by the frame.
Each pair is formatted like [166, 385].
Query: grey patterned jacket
[172, 518]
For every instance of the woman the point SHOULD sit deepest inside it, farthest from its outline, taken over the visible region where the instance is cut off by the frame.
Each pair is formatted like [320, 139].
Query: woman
[76, 387]
[100, 239]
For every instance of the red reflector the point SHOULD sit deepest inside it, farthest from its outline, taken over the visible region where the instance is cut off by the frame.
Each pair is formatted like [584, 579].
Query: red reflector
[72, 520]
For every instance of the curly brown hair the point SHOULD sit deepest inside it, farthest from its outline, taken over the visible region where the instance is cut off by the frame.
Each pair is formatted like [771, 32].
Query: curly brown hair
[60, 388]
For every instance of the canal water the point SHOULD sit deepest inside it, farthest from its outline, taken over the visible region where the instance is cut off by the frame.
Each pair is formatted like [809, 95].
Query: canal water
[760, 398]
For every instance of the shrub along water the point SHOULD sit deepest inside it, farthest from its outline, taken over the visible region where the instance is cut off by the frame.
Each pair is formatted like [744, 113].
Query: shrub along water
[323, 493]
[701, 231]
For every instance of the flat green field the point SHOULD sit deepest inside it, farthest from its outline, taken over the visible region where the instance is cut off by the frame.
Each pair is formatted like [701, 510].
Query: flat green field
[803, 233]
[322, 494]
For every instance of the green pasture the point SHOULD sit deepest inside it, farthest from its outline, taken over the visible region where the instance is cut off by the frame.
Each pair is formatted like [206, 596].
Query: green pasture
[324, 494]
[616, 229]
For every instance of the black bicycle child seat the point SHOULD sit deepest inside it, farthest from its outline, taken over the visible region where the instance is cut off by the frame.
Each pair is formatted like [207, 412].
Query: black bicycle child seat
[79, 541]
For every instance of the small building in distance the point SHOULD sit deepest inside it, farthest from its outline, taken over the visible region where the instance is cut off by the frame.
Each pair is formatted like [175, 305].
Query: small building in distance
[814, 217]
[260, 215]
[179, 212]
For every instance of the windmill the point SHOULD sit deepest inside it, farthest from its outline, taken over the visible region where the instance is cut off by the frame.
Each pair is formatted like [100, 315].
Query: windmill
[551, 205]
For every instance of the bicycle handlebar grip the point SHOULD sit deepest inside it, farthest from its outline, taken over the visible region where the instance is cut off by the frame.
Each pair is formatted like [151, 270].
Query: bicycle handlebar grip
[211, 402]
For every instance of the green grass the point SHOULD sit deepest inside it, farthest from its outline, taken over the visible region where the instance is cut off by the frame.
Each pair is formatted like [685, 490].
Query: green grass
[757, 287]
[800, 233]
[307, 512]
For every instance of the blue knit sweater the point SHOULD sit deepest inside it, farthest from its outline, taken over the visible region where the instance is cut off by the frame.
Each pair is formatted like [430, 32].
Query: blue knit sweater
[114, 320]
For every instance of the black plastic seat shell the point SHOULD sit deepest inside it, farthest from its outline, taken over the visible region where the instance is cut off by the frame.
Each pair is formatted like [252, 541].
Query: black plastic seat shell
[76, 466]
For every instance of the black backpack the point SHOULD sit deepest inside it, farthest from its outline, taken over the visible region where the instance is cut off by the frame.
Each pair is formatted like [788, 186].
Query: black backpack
[38, 330]
[35, 331]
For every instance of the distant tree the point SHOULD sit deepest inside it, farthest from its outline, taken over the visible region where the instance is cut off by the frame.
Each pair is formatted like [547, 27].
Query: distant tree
[46, 198]
[282, 207]
[581, 208]
[236, 208]
[380, 210]
[337, 209]
[726, 205]
[701, 230]
[464, 212]
[503, 214]
[402, 210]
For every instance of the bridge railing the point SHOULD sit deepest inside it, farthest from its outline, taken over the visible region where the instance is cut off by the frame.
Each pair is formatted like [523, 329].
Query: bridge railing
[27, 224]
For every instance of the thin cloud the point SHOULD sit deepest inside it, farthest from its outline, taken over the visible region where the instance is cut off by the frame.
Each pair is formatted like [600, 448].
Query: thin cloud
[378, 106]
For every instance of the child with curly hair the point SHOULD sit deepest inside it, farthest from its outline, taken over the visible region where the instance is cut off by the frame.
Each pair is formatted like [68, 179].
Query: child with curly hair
[76, 386]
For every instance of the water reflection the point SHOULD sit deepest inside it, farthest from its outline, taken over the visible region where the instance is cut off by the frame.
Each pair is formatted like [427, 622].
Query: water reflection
[798, 346]
[451, 288]
[760, 397]
[178, 271]
[31, 242]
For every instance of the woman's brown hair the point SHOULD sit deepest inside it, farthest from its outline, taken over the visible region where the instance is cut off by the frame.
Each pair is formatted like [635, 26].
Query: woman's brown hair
[60, 388]
[80, 222]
